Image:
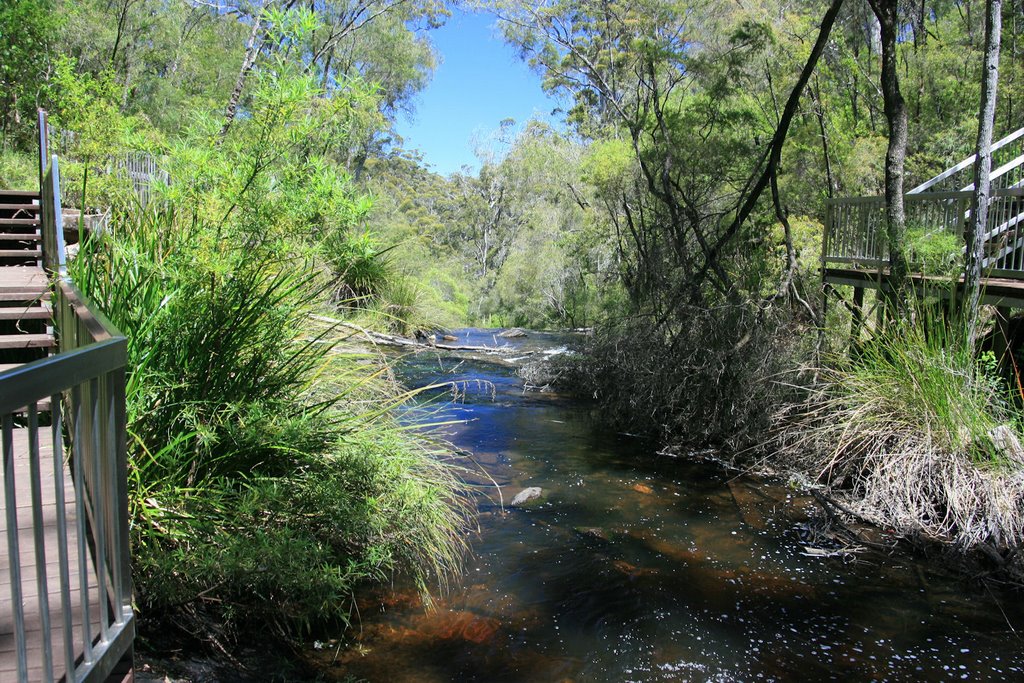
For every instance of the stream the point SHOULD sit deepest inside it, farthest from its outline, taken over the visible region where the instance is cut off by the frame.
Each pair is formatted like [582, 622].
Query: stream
[635, 566]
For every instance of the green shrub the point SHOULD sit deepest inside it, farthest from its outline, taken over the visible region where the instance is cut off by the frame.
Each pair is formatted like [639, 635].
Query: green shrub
[18, 171]
[267, 479]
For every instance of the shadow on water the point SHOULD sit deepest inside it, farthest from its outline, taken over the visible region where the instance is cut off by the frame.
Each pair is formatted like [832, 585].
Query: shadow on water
[634, 566]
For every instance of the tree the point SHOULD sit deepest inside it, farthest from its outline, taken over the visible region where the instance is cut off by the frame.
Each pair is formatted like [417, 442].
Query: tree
[887, 13]
[682, 89]
[978, 222]
[252, 48]
[27, 32]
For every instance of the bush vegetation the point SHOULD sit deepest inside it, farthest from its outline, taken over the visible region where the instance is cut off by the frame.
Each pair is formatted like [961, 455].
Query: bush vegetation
[264, 486]
[918, 434]
[710, 381]
[268, 479]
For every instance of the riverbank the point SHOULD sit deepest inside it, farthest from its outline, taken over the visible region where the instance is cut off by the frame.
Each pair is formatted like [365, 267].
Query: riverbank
[637, 565]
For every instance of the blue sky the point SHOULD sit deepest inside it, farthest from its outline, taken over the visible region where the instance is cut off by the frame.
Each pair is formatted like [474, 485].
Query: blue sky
[479, 82]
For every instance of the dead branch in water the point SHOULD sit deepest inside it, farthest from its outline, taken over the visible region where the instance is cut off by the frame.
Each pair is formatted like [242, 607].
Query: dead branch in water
[395, 340]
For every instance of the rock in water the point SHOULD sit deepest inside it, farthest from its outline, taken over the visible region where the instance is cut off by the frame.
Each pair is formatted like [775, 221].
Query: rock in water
[526, 495]
[513, 333]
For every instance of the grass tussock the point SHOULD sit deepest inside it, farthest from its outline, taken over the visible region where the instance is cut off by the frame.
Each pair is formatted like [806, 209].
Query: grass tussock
[268, 480]
[918, 435]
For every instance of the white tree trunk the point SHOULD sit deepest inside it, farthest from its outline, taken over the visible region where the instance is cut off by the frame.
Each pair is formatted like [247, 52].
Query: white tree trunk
[982, 169]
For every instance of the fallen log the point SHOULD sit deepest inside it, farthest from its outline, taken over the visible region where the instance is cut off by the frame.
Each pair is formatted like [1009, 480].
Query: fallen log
[395, 340]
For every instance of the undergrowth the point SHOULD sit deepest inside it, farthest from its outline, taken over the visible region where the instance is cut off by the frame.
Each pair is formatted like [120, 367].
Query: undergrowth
[267, 478]
[918, 434]
[707, 379]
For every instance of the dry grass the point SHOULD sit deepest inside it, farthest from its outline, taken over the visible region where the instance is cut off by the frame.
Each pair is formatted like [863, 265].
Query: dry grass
[904, 434]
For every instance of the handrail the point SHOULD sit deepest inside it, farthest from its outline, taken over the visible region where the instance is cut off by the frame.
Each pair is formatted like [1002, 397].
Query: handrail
[79, 497]
[966, 164]
[44, 144]
[855, 227]
[52, 220]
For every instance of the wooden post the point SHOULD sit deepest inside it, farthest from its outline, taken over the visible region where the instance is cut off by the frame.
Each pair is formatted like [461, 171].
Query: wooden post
[857, 317]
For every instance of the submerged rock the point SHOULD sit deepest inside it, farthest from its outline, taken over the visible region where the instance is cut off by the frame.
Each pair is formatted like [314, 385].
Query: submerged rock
[462, 625]
[513, 333]
[526, 495]
[592, 532]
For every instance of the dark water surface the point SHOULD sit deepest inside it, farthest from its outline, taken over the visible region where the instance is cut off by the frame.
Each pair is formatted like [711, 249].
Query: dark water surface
[635, 566]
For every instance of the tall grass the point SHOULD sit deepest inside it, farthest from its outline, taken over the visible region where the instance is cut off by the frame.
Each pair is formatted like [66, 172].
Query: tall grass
[913, 430]
[267, 483]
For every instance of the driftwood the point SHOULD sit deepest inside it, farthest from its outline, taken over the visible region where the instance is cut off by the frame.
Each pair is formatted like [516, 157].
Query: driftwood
[395, 340]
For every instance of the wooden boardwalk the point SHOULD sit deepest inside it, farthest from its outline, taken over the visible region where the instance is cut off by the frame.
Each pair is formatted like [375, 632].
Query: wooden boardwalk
[23, 279]
[29, 581]
[996, 291]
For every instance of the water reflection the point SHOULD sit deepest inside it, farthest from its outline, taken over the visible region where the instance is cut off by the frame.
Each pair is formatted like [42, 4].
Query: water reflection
[639, 567]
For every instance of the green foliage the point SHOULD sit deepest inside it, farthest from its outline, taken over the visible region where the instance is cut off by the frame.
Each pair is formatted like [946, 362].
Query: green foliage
[360, 269]
[268, 480]
[920, 431]
[251, 494]
[18, 171]
[27, 31]
[935, 252]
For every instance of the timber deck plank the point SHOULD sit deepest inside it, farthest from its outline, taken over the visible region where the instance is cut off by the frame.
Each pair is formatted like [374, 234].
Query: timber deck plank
[18, 278]
[29, 585]
[996, 291]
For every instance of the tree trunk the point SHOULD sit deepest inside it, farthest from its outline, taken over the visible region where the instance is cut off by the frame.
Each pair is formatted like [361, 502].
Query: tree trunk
[252, 49]
[769, 161]
[887, 12]
[982, 169]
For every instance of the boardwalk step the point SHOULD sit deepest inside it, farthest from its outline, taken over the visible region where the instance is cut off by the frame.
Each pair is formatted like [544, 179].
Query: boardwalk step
[20, 237]
[31, 313]
[24, 295]
[20, 253]
[18, 221]
[18, 206]
[31, 194]
[26, 341]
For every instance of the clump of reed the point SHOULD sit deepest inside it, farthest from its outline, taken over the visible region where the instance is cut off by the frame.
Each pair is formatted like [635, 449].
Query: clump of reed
[917, 434]
[268, 479]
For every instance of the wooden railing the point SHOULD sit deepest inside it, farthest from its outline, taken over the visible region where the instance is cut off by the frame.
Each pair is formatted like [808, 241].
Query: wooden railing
[1007, 169]
[83, 388]
[855, 228]
[141, 170]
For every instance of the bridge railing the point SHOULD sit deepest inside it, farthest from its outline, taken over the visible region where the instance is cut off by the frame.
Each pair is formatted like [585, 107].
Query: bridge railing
[855, 228]
[82, 388]
[1007, 169]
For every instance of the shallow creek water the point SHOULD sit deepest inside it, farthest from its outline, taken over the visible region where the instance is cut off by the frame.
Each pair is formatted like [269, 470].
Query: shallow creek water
[635, 566]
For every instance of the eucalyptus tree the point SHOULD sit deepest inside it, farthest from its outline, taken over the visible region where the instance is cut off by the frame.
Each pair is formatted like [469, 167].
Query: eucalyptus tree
[888, 15]
[27, 37]
[982, 167]
[682, 86]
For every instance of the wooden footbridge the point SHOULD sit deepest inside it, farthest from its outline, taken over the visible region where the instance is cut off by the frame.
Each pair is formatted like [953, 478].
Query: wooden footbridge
[855, 252]
[65, 585]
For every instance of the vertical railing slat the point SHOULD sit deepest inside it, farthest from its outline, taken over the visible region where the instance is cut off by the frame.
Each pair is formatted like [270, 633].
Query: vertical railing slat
[97, 506]
[78, 460]
[13, 550]
[39, 538]
[57, 434]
